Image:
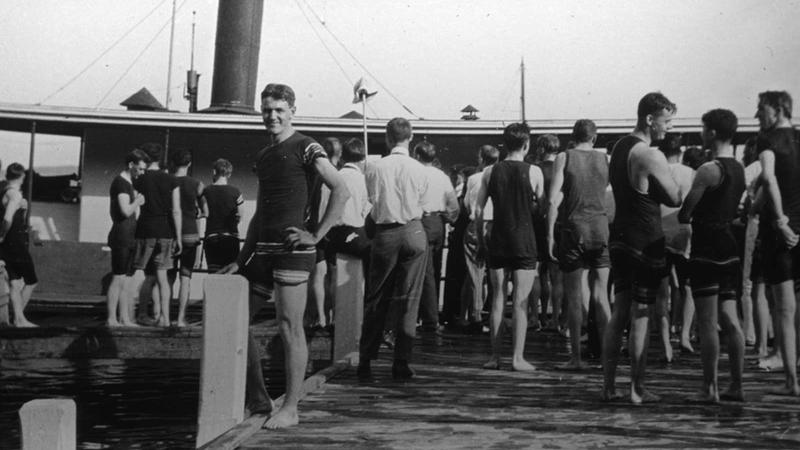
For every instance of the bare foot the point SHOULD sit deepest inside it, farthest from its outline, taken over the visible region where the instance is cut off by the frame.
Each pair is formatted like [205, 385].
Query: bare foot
[637, 398]
[611, 395]
[772, 362]
[112, 323]
[686, 347]
[732, 395]
[707, 397]
[182, 323]
[492, 364]
[573, 366]
[786, 391]
[283, 418]
[520, 365]
[129, 323]
[24, 323]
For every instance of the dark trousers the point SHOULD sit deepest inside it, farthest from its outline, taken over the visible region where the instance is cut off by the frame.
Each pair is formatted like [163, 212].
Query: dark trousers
[397, 266]
[429, 303]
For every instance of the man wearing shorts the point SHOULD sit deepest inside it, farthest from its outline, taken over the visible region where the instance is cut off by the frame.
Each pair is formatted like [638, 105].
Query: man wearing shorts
[577, 197]
[282, 250]
[192, 206]
[158, 230]
[711, 206]
[779, 153]
[641, 181]
[124, 202]
[224, 209]
[14, 244]
[515, 188]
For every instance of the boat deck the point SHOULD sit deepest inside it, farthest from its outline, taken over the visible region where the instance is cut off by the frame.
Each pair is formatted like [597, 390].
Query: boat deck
[453, 403]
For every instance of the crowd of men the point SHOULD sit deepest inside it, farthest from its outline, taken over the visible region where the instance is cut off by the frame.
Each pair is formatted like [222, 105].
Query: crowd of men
[561, 227]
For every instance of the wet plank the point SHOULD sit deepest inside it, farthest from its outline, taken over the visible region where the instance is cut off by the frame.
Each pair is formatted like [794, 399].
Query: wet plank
[453, 403]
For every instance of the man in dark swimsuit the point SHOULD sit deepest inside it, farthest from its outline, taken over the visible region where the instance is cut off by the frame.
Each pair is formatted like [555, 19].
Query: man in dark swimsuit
[641, 181]
[779, 153]
[515, 188]
[715, 268]
[282, 249]
[224, 209]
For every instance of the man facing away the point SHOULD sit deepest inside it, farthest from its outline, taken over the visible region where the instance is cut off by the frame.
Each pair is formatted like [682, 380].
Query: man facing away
[158, 230]
[515, 188]
[192, 210]
[779, 154]
[710, 206]
[476, 263]
[348, 235]
[224, 209]
[396, 185]
[439, 205]
[124, 202]
[282, 249]
[577, 197]
[641, 181]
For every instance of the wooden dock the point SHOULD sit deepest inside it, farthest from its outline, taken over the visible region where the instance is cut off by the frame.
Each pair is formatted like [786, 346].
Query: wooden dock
[453, 403]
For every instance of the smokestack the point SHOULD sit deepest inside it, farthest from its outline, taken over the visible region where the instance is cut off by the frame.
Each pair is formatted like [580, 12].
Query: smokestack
[233, 88]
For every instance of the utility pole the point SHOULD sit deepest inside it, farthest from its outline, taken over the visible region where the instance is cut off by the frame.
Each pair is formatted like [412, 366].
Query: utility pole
[522, 88]
[169, 65]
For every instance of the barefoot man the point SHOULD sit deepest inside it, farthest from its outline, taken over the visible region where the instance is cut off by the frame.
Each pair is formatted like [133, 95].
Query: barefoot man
[641, 181]
[277, 239]
[577, 197]
[711, 205]
[515, 188]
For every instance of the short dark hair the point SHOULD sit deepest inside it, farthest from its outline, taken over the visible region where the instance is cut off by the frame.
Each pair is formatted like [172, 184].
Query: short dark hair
[671, 145]
[181, 158]
[425, 151]
[136, 156]
[694, 157]
[516, 135]
[584, 130]
[398, 130]
[353, 151]
[332, 146]
[489, 154]
[777, 99]
[653, 103]
[548, 143]
[222, 168]
[279, 91]
[723, 122]
[153, 150]
[15, 171]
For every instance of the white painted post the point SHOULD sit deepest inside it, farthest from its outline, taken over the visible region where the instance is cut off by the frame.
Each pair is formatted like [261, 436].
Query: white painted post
[224, 363]
[349, 307]
[48, 424]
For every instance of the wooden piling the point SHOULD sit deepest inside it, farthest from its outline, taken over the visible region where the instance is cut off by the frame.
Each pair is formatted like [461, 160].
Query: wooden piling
[48, 424]
[224, 360]
[349, 308]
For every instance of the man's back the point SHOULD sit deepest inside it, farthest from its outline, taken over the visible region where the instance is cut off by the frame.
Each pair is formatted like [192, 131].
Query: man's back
[585, 181]
[190, 192]
[396, 184]
[154, 219]
[510, 189]
[783, 142]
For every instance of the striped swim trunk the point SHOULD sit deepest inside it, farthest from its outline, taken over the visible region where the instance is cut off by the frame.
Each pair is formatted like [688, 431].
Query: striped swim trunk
[274, 262]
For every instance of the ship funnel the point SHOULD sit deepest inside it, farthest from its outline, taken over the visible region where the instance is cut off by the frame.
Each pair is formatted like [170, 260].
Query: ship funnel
[233, 88]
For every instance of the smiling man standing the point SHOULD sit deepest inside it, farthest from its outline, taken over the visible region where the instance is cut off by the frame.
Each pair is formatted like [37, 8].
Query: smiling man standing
[282, 249]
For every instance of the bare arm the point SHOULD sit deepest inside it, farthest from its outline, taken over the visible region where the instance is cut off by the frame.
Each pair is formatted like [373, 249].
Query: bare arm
[239, 208]
[656, 166]
[14, 202]
[554, 199]
[708, 175]
[128, 205]
[451, 206]
[201, 201]
[769, 184]
[483, 195]
[333, 212]
[177, 219]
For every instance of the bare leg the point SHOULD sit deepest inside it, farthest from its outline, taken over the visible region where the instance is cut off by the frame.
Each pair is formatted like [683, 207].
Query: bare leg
[573, 296]
[612, 340]
[126, 304]
[317, 291]
[599, 295]
[688, 316]
[183, 299]
[499, 293]
[748, 325]
[709, 345]
[639, 341]
[523, 281]
[533, 303]
[662, 315]
[730, 326]
[16, 296]
[762, 318]
[785, 306]
[115, 292]
[290, 304]
[556, 292]
[164, 292]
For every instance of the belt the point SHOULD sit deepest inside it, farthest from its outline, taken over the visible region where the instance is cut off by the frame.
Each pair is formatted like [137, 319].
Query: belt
[388, 226]
[433, 213]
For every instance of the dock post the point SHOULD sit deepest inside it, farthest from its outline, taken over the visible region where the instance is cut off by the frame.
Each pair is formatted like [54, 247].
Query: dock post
[349, 305]
[48, 424]
[224, 360]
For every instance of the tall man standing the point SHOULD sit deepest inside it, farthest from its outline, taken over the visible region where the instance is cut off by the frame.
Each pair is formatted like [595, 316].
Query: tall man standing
[641, 181]
[283, 250]
[779, 153]
[396, 185]
[577, 198]
[516, 189]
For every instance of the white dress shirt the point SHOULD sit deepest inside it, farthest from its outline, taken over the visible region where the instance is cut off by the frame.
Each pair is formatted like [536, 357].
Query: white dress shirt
[357, 206]
[440, 196]
[396, 185]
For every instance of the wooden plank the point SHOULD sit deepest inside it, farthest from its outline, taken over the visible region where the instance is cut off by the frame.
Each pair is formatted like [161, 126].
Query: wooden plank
[48, 424]
[349, 305]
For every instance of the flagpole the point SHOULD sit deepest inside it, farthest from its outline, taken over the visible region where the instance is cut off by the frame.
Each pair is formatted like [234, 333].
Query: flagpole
[364, 119]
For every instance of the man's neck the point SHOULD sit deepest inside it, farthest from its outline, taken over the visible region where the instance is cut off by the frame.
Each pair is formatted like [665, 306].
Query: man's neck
[181, 171]
[284, 135]
[221, 181]
[722, 149]
[643, 134]
[550, 156]
[154, 166]
[15, 184]
[516, 155]
[126, 174]
[585, 146]
[783, 122]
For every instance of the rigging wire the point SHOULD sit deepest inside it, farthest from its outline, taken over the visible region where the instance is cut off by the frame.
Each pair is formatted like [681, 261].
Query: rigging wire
[94, 61]
[388, 91]
[138, 56]
[330, 52]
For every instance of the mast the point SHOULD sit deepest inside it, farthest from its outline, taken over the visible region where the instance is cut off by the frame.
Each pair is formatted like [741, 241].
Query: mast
[169, 65]
[192, 76]
[522, 88]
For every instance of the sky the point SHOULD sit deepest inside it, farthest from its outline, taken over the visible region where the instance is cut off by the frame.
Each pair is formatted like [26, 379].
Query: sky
[583, 58]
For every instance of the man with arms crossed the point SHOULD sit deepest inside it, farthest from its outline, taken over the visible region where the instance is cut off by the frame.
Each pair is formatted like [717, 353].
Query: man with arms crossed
[577, 198]
[641, 181]
[515, 188]
[276, 237]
